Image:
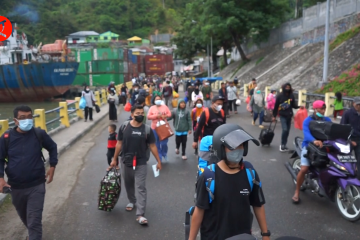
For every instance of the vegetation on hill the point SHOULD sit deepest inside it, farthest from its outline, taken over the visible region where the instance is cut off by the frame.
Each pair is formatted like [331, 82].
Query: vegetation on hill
[348, 83]
[48, 20]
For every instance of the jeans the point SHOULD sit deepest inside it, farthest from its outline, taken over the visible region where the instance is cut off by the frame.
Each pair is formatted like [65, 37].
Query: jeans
[88, 112]
[29, 204]
[207, 103]
[260, 115]
[181, 140]
[161, 146]
[231, 104]
[286, 125]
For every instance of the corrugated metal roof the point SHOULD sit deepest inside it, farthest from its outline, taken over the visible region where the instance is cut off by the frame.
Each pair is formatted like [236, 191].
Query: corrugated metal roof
[109, 33]
[84, 33]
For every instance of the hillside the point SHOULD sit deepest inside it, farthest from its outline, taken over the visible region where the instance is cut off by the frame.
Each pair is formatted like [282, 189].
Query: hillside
[47, 20]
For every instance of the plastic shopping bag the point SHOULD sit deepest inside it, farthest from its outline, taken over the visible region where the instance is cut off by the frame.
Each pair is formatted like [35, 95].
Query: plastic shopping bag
[175, 94]
[127, 107]
[82, 103]
[299, 118]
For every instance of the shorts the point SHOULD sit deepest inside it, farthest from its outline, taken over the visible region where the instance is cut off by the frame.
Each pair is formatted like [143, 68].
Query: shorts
[304, 160]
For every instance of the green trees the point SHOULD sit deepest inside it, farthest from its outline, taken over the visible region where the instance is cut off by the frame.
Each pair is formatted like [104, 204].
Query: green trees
[227, 22]
[48, 20]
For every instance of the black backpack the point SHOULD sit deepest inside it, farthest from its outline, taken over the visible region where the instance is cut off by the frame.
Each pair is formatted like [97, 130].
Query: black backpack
[7, 134]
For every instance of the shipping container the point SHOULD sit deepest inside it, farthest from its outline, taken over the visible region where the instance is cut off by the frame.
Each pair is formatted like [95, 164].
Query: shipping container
[84, 55]
[126, 54]
[158, 58]
[106, 54]
[82, 67]
[156, 67]
[107, 66]
[141, 63]
[81, 80]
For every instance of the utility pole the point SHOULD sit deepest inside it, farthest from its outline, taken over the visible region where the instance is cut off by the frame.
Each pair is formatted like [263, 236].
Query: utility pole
[326, 45]
[207, 53]
[211, 57]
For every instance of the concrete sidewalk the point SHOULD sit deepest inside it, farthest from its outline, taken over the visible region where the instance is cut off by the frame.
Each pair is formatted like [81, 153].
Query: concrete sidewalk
[66, 137]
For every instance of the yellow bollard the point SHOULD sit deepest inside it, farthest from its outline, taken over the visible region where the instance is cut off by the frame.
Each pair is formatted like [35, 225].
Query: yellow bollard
[40, 121]
[4, 125]
[267, 91]
[302, 98]
[103, 96]
[329, 101]
[97, 98]
[64, 114]
[246, 89]
[79, 112]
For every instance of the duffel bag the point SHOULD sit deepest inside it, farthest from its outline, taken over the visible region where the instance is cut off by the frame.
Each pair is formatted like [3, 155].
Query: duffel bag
[110, 188]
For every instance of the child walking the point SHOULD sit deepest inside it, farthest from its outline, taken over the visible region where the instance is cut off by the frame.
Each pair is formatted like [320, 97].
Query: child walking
[182, 125]
[338, 105]
[112, 140]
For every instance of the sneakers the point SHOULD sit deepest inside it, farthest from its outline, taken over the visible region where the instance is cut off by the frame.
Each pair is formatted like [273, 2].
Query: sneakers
[283, 148]
[177, 151]
[261, 126]
[253, 122]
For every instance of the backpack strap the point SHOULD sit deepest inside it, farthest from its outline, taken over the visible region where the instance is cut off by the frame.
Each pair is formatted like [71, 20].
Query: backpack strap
[251, 177]
[209, 175]
[147, 131]
[39, 137]
[7, 141]
[207, 115]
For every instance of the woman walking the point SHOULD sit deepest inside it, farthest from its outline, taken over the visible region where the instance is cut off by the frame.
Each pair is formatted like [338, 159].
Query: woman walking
[123, 94]
[113, 101]
[271, 99]
[90, 102]
[196, 94]
[182, 125]
[159, 112]
[257, 104]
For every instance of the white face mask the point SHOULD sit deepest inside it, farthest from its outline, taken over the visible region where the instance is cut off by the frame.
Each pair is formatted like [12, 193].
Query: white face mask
[207, 84]
[158, 102]
[218, 108]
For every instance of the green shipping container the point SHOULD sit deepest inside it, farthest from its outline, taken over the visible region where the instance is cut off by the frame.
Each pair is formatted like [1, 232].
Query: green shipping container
[106, 54]
[105, 79]
[121, 54]
[106, 66]
[81, 80]
[82, 67]
[84, 55]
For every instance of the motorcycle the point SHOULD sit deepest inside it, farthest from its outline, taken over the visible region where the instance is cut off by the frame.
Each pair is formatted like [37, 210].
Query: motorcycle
[335, 179]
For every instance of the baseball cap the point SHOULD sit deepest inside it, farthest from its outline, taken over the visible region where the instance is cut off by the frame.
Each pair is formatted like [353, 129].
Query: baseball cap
[319, 104]
[217, 98]
[357, 100]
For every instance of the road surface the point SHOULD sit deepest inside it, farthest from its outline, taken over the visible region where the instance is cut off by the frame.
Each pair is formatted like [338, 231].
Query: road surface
[171, 194]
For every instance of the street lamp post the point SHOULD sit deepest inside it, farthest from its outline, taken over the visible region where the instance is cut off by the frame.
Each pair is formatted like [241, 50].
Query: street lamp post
[326, 45]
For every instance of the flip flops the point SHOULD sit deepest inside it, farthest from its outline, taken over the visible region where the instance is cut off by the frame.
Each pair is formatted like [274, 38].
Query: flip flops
[142, 221]
[295, 201]
[130, 205]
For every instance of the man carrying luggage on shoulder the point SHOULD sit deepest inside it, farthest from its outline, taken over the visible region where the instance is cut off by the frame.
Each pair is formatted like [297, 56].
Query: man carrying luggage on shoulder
[25, 168]
[210, 119]
[221, 211]
[134, 138]
[319, 110]
[352, 117]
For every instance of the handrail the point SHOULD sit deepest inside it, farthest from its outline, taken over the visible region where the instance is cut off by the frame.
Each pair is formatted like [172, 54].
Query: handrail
[40, 114]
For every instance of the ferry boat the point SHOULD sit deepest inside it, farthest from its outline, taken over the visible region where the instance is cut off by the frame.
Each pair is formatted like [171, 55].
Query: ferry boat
[29, 74]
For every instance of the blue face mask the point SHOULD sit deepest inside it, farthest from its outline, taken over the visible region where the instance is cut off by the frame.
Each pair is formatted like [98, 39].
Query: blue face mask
[199, 105]
[258, 91]
[158, 102]
[26, 124]
[235, 156]
[319, 115]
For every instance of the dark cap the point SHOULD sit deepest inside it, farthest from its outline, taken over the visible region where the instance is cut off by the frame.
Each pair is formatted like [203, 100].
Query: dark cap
[140, 100]
[357, 100]
[217, 98]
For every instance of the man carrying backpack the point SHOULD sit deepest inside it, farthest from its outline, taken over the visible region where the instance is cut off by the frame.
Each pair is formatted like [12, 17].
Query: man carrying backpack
[167, 93]
[134, 158]
[21, 152]
[221, 211]
[209, 120]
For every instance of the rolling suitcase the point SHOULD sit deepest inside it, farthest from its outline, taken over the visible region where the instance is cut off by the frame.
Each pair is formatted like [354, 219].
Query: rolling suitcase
[267, 135]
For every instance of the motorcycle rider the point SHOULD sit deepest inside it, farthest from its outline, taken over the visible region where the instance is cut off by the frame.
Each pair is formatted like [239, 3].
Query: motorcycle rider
[319, 110]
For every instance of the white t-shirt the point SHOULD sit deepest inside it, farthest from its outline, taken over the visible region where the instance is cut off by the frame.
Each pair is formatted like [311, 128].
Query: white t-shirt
[231, 93]
[133, 80]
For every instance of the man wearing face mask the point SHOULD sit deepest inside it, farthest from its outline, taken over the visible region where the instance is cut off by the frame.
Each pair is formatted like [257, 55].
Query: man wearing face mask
[134, 173]
[135, 93]
[222, 211]
[21, 151]
[284, 105]
[210, 119]
[207, 94]
[319, 111]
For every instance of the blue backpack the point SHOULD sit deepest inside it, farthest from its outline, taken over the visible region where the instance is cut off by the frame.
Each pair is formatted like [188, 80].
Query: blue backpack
[205, 152]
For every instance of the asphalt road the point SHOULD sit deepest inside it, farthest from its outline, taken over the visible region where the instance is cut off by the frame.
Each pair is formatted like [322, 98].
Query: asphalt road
[171, 194]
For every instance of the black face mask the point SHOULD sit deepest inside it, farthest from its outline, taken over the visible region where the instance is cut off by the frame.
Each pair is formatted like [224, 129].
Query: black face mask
[197, 91]
[139, 119]
[287, 90]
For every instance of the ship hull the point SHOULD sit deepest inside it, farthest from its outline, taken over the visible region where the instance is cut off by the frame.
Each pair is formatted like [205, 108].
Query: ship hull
[36, 81]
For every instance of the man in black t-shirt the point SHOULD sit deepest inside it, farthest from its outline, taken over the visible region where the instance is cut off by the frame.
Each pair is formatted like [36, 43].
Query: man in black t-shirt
[227, 212]
[134, 138]
[207, 125]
